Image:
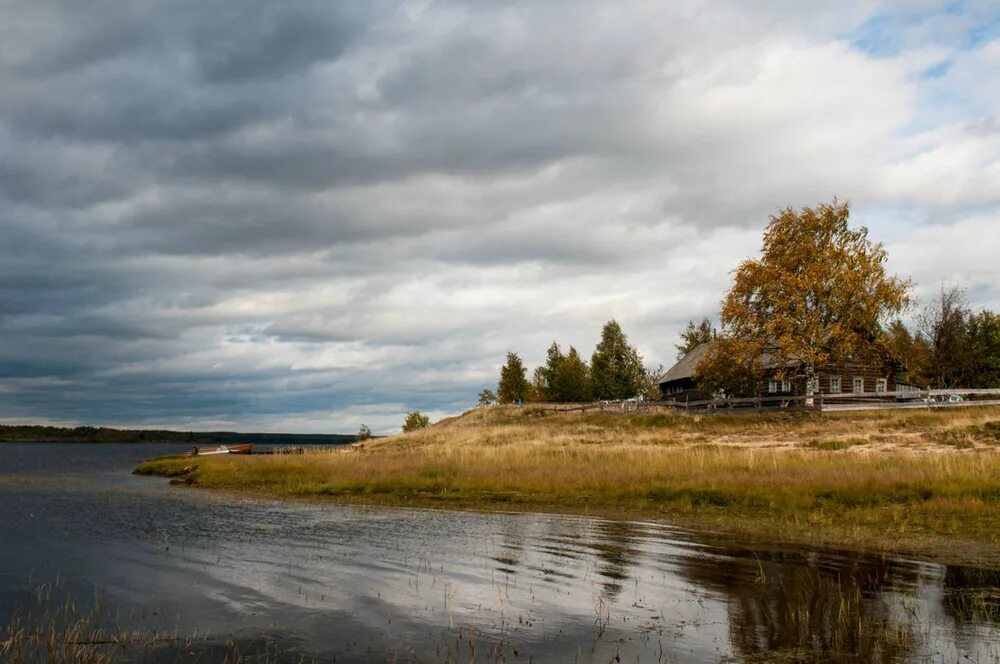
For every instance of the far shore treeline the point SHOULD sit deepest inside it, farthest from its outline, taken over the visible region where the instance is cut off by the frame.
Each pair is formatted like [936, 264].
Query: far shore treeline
[88, 434]
[818, 294]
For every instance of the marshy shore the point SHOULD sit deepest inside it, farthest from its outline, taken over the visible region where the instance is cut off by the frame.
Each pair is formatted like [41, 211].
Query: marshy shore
[910, 482]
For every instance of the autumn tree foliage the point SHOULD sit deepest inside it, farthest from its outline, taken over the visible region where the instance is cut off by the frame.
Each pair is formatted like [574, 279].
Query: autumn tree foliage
[819, 292]
[514, 385]
[912, 349]
[651, 382]
[538, 390]
[616, 368]
[731, 367]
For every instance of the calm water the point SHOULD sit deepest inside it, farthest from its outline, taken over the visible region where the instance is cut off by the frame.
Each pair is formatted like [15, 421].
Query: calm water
[348, 584]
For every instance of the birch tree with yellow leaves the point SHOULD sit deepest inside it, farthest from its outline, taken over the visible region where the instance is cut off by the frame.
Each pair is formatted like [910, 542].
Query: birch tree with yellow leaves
[818, 293]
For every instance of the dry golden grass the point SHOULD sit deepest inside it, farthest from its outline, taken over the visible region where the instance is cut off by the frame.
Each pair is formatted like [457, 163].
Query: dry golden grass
[894, 480]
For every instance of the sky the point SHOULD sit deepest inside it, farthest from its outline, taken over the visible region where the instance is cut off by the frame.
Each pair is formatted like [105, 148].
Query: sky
[303, 216]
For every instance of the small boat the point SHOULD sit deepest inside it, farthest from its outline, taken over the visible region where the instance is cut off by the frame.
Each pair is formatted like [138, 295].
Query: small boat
[245, 448]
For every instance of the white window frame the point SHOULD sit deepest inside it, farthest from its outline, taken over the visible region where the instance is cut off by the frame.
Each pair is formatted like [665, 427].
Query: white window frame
[772, 386]
[854, 385]
[814, 384]
[835, 384]
[881, 385]
[786, 386]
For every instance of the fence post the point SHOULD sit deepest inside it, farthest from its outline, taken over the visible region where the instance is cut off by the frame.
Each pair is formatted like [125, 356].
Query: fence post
[686, 399]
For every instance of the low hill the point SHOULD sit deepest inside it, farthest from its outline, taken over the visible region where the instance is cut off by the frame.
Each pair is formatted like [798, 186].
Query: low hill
[938, 429]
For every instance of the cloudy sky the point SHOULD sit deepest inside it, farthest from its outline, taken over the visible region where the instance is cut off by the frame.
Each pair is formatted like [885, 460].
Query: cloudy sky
[305, 215]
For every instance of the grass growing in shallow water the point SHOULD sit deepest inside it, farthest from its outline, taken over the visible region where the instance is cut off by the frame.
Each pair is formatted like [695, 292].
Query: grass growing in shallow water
[56, 629]
[873, 480]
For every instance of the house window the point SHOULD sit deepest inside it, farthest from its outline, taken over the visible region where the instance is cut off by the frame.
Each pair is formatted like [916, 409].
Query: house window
[859, 384]
[814, 385]
[786, 386]
[882, 385]
[772, 386]
[834, 384]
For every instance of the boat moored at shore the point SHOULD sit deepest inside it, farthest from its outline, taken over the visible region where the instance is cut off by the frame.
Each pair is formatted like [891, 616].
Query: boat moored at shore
[246, 448]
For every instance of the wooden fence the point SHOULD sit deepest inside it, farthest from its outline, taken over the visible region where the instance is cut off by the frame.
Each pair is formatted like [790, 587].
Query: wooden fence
[954, 398]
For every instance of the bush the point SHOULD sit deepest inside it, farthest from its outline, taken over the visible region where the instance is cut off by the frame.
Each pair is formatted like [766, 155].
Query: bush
[487, 398]
[416, 420]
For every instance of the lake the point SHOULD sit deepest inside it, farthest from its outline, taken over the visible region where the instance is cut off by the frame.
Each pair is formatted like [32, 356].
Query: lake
[285, 581]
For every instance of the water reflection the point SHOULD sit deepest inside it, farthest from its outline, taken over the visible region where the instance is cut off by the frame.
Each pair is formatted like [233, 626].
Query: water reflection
[363, 584]
[615, 548]
[845, 607]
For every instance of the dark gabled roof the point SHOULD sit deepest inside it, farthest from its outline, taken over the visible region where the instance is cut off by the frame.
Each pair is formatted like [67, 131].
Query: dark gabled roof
[686, 365]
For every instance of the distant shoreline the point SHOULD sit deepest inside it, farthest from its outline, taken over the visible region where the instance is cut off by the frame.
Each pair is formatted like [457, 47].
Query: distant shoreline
[50, 434]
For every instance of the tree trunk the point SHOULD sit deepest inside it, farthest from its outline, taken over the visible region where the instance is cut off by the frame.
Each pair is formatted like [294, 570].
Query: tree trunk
[810, 377]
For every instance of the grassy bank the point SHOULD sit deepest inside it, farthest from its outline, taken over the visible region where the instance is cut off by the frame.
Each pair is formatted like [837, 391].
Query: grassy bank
[922, 482]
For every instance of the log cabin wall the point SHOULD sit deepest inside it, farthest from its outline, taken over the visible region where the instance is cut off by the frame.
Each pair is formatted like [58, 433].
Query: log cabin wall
[868, 372]
[847, 371]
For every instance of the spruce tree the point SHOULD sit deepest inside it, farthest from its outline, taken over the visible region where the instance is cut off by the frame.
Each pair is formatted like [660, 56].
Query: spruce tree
[553, 357]
[616, 369]
[571, 380]
[694, 336]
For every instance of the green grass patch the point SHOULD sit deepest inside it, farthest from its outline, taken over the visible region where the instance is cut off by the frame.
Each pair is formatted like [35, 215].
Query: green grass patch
[167, 467]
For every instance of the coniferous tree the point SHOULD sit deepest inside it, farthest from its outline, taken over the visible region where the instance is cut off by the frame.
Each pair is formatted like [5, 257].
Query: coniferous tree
[616, 369]
[944, 323]
[513, 386]
[984, 337]
[571, 379]
[553, 356]
[962, 347]
[694, 336]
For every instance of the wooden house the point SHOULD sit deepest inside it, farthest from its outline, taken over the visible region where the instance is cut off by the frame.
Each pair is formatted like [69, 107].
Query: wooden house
[869, 375]
[679, 382]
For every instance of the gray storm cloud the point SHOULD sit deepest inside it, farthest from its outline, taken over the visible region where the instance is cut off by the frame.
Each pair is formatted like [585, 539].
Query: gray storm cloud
[304, 215]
